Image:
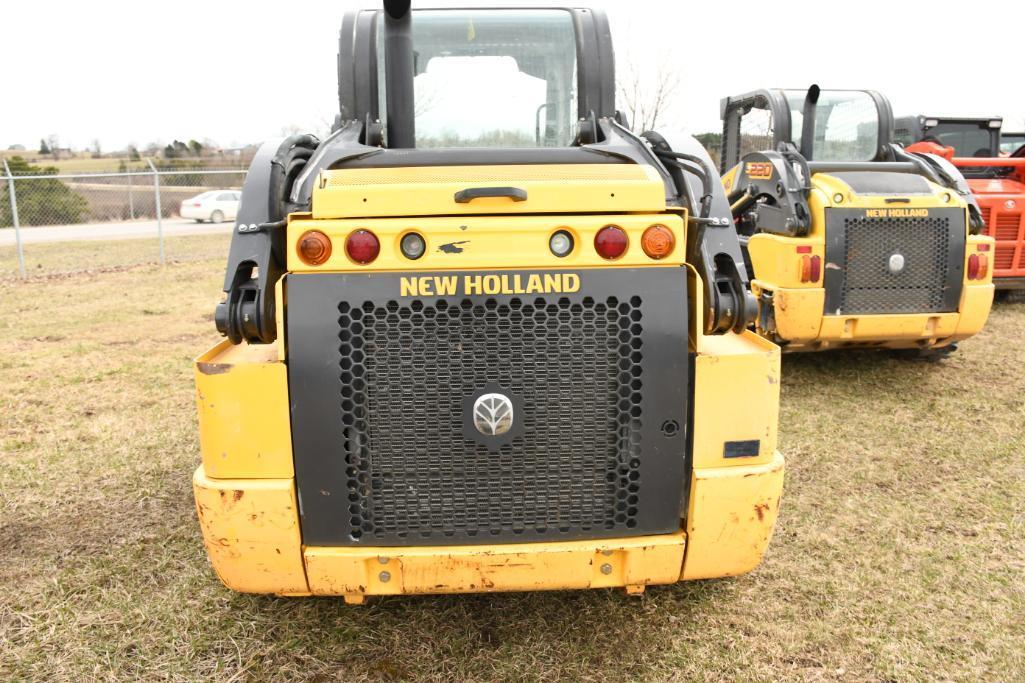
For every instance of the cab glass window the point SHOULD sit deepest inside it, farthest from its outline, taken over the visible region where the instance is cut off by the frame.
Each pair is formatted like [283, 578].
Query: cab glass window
[967, 139]
[1009, 144]
[494, 78]
[846, 125]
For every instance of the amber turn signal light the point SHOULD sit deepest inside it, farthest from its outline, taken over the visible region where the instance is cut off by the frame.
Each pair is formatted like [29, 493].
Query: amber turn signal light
[658, 241]
[314, 247]
[811, 268]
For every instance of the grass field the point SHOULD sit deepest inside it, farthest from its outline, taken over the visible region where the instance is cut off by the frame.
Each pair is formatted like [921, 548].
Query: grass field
[86, 164]
[60, 260]
[899, 553]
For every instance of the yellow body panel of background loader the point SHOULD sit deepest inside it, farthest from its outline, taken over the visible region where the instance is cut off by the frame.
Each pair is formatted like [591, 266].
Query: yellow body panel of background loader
[798, 307]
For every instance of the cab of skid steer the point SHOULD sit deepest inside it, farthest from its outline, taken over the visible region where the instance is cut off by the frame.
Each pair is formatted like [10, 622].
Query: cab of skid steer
[1011, 142]
[968, 136]
[483, 337]
[852, 241]
[996, 178]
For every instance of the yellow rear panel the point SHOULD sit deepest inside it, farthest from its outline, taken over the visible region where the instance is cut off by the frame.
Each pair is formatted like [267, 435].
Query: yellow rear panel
[430, 191]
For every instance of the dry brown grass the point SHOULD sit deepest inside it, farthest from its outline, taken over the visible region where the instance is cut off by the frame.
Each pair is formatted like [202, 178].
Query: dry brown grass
[898, 556]
[59, 260]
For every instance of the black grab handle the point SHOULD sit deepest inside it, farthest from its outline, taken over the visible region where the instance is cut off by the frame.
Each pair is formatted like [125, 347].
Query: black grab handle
[468, 195]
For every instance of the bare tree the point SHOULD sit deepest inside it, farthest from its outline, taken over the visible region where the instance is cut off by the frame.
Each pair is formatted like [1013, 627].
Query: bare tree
[53, 142]
[646, 96]
[97, 150]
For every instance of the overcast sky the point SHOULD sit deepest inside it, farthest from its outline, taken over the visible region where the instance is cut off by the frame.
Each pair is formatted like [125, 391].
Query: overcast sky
[238, 72]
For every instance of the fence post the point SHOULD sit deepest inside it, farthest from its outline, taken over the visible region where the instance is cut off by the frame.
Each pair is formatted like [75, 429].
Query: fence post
[131, 202]
[14, 219]
[160, 223]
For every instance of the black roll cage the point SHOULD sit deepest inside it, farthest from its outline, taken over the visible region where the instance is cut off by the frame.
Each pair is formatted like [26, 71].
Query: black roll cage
[359, 96]
[770, 191]
[732, 110]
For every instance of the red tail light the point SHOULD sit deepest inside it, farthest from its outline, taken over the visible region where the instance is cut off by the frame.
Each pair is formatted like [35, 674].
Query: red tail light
[362, 246]
[816, 268]
[610, 242]
[978, 266]
[811, 266]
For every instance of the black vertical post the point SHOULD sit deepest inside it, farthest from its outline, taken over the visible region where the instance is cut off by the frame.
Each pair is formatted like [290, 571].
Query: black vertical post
[811, 101]
[398, 73]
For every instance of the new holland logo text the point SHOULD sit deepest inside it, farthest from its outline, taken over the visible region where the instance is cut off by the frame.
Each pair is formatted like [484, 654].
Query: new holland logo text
[896, 213]
[506, 283]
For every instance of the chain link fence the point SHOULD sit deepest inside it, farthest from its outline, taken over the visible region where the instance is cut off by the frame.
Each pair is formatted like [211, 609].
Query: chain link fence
[67, 222]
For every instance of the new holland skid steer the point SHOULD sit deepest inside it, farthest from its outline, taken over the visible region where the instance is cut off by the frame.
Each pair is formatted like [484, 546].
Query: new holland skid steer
[483, 337]
[997, 180]
[852, 241]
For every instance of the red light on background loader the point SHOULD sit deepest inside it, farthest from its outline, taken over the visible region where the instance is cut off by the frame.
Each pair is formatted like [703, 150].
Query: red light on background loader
[810, 266]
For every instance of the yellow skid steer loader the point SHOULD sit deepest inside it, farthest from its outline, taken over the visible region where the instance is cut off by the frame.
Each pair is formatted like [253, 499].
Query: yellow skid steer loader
[483, 337]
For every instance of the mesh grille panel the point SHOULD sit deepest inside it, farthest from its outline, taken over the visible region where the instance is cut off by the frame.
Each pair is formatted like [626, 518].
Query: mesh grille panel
[871, 287]
[410, 470]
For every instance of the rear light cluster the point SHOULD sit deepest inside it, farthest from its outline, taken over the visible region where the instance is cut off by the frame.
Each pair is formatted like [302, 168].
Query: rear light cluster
[657, 242]
[362, 246]
[611, 242]
[809, 264]
[978, 264]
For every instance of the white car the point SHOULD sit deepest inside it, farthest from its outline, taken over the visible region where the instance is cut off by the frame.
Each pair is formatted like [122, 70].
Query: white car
[215, 206]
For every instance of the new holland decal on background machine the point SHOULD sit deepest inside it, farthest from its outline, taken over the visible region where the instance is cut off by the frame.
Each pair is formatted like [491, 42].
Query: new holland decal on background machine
[493, 345]
[853, 242]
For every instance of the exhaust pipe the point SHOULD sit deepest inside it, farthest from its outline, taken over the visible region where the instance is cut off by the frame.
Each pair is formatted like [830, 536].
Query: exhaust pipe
[811, 101]
[398, 74]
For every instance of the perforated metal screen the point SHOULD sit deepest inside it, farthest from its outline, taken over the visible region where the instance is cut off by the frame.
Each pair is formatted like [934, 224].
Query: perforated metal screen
[893, 264]
[411, 472]
[385, 450]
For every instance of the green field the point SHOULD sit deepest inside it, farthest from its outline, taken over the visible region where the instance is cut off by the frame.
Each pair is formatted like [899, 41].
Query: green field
[899, 554]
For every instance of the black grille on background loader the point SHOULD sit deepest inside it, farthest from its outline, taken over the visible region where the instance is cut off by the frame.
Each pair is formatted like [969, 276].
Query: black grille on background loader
[379, 386]
[860, 277]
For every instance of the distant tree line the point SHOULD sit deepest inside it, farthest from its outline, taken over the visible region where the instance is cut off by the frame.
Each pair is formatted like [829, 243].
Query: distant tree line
[180, 150]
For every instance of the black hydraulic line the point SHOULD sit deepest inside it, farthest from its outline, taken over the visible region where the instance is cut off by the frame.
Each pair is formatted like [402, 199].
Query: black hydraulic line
[853, 166]
[693, 165]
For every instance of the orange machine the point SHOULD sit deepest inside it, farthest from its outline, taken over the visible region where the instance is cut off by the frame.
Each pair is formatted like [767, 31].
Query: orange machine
[998, 184]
